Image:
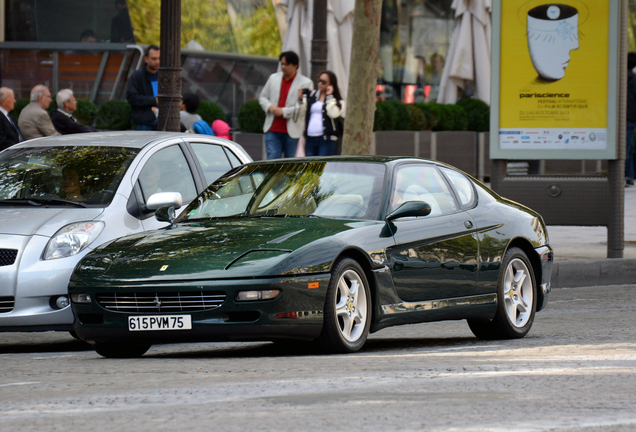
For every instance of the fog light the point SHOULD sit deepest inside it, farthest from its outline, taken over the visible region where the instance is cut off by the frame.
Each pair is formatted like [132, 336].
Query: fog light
[81, 298]
[61, 302]
[257, 295]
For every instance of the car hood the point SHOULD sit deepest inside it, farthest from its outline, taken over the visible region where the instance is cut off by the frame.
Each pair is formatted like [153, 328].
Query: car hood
[219, 250]
[45, 221]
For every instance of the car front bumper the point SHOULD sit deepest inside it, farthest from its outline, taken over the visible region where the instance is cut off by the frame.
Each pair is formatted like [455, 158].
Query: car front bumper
[29, 287]
[296, 313]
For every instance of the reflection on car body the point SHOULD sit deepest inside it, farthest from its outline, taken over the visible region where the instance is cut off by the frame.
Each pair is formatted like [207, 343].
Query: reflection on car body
[319, 249]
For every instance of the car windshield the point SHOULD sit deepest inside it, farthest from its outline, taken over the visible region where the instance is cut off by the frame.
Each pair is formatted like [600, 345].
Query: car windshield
[82, 176]
[349, 190]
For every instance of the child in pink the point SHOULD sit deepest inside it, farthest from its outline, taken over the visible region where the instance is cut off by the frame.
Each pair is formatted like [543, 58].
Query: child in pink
[221, 129]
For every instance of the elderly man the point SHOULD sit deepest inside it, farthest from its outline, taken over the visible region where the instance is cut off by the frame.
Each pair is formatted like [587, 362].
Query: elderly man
[34, 121]
[63, 119]
[9, 131]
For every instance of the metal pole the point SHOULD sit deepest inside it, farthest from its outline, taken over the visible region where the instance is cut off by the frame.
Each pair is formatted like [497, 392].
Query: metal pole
[616, 168]
[319, 41]
[170, 67]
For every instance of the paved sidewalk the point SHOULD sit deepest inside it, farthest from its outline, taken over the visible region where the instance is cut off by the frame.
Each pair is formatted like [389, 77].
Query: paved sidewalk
[580, 253]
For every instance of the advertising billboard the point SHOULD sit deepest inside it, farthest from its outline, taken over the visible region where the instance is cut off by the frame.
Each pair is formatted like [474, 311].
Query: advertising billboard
[554, 75]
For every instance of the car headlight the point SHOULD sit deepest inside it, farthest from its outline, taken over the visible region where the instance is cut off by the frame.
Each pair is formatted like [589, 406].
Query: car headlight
[72, 239]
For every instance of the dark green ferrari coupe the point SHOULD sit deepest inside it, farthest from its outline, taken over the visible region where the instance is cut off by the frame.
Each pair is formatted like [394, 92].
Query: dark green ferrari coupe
[319, 249]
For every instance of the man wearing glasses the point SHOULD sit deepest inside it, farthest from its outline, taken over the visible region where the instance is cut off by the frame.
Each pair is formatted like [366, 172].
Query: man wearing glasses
[63, 119]
[34, 121]
[278, 99]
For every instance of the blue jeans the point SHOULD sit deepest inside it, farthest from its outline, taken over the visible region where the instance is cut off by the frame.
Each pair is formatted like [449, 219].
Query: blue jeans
[277, 143]
[145, 127]
[317, 146]
[629, 147]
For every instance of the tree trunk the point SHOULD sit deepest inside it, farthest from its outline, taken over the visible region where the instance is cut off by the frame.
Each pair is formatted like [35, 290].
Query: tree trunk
[170, 67]
[358, 131]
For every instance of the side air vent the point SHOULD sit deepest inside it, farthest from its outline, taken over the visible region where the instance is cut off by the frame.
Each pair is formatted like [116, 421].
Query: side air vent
[8, 256]
[6, 304]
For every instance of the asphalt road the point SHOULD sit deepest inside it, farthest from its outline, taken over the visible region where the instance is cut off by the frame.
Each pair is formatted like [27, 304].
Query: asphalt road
[575, 371]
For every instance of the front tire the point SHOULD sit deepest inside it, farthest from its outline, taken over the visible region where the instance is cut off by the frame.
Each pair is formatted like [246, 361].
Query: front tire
[347, 313]
[121, 349]
[516, 300]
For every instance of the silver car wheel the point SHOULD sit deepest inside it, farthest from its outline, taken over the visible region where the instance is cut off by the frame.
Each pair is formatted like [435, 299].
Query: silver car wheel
[518, 293]
[351, 306]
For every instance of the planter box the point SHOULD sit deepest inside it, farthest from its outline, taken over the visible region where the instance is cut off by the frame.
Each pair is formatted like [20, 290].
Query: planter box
[253, 143]
[456, 148]
[394, 143]
[424, 149]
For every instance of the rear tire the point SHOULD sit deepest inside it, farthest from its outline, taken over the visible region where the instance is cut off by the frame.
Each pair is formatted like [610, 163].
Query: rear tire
[516, 300]
[121, 349]
[347, 313]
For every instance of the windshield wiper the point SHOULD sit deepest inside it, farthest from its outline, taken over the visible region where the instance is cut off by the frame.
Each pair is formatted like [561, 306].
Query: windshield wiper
[42, 201]
[284, 215]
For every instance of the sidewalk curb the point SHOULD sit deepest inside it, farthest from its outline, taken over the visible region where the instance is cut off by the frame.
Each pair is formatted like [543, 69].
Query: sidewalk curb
[586, 273]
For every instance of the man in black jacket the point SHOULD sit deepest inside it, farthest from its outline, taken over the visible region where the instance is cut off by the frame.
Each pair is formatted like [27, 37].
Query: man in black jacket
[9, 131]
[143, 87]
[63, 119]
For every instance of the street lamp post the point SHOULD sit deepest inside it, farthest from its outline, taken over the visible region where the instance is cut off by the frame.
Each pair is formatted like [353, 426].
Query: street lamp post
[169, 95]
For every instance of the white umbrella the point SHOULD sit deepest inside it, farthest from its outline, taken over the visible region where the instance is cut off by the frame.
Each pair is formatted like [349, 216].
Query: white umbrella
[299, 34]
[468, 61]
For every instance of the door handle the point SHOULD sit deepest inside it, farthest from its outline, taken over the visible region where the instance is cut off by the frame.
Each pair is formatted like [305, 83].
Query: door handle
[468, 224]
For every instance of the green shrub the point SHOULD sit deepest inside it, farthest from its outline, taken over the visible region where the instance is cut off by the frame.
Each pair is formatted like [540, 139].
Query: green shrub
[458, 116]
[429, 114]
[385, 116]
[251, 117]
[379, 117]
[85, 112]
[402, 120]
[52, 107]
[18, 107]
[478, 114]
[445, 120]
[114, 115]
[418, 119]
[209, 111]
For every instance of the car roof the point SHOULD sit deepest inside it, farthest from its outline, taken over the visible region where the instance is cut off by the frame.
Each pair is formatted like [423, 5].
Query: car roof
[388, 160]
[132, 139]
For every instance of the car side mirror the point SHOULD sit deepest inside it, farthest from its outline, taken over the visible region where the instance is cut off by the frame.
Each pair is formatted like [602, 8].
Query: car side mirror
[165, 214]
[161, 199]
[410, 208]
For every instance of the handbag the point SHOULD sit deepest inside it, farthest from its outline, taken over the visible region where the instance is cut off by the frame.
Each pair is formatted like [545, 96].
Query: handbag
[300, 148]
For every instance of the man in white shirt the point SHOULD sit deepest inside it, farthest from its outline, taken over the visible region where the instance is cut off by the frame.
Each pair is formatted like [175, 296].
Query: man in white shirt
[9, 132]
[63, 119]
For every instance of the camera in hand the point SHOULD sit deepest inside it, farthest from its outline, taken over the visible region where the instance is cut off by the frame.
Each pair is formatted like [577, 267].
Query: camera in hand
[306, 92]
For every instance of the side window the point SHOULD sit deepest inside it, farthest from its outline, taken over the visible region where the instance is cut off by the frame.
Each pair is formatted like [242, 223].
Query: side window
[235, 161]
[213, 160]
[422, 183]
[463, 187]
[167, 171]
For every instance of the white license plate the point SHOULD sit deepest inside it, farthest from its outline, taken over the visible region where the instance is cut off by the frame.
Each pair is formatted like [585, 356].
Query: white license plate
[159, 322]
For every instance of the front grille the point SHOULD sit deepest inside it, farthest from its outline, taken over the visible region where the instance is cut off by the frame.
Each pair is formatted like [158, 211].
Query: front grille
[161, 302]
[6, 304]
[8, 256]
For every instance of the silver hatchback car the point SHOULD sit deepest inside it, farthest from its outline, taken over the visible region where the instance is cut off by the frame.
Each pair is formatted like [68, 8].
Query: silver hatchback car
[61, 197]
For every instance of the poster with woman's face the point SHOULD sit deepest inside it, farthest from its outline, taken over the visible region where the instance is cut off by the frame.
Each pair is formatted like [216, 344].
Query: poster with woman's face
[554, 74]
